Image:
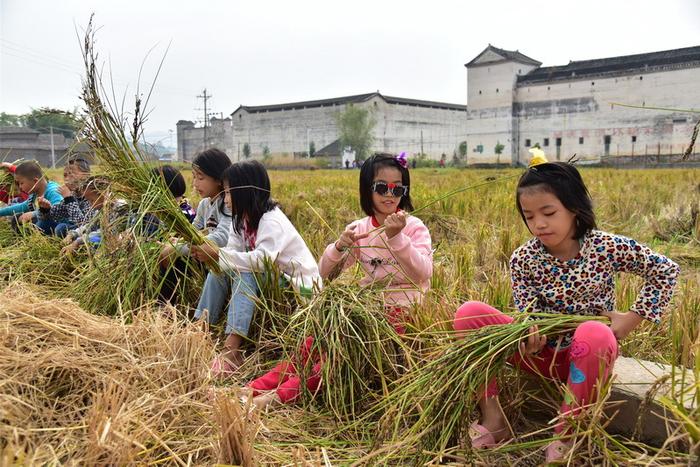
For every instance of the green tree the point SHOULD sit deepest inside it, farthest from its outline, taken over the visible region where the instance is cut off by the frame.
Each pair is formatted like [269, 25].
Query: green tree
[312, 149]
[462, 149]
[499, 148]
[246, 150]
[266, 152]
[10, 119]
[356, 126]
[45, 118]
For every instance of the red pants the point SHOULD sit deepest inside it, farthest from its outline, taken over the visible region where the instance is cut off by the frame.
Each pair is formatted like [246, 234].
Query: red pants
[284, 377]
[586, 362]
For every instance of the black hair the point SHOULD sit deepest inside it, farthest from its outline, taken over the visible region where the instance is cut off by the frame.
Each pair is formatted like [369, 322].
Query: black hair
[212, 162]
[29, 169]
[249, 189]
[96, 183]
[369, 170]
[80, 163]
[565, 182]
[173, 179]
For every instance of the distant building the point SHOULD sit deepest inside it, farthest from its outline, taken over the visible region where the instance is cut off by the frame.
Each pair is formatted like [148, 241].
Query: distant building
[25, 143]
[409, 125]
[514, 104]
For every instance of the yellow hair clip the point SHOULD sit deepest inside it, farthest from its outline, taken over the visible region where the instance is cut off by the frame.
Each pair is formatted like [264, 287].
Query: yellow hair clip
[538, 157]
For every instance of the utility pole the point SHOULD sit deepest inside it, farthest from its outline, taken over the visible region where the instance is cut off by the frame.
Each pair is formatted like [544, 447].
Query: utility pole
[53, 152]
[205, 97]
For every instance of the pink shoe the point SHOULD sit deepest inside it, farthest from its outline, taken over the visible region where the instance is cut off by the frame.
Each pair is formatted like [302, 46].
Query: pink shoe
[481, 437]
[222, 368]
[557, 451]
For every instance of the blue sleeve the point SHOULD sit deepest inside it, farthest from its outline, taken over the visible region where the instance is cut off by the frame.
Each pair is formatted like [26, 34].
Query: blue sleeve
[15, 208]
[53, 196]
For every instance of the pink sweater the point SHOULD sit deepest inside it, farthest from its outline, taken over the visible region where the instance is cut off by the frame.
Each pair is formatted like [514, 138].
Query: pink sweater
[405, 260]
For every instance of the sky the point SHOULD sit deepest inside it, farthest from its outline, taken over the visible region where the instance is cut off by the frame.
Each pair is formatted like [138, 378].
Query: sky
[267, 52]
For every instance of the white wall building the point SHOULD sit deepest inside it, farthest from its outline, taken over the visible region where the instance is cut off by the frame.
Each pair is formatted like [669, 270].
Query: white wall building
[410, 125]
[514, 103]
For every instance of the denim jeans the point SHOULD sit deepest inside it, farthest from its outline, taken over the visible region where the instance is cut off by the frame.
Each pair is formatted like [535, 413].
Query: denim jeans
[62, 229]
[235, 290]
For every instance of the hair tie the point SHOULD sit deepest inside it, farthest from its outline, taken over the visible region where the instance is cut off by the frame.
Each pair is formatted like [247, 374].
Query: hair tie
[402, 160]
[538, 157]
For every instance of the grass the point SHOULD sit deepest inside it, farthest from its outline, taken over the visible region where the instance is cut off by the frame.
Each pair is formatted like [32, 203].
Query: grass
[473, 234]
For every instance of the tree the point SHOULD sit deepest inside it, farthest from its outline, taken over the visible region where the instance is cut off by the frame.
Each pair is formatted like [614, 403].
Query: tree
[61, 121]
[312, 149]
[246, 150]
[499, 148]
[266, 152]
[356, 126]
[10, 119]
[462, 149]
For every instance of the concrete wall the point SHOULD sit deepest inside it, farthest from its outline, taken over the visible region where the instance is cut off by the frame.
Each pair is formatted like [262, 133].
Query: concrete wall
[398, 128]
[32, 145]
[583, 109]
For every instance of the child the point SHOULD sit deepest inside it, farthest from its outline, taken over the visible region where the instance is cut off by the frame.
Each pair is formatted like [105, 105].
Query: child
[94, 191]
[177, 186]
[9, 192]
[212, 215]
[30, 179]
[400, 257]
[569, 267]
[73, 210]
[260, 232]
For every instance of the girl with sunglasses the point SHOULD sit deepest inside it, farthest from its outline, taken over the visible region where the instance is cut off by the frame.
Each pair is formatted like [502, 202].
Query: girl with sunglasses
[391, 247]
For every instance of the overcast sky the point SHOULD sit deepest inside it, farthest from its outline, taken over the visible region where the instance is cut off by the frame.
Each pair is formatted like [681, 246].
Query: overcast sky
[266, 52]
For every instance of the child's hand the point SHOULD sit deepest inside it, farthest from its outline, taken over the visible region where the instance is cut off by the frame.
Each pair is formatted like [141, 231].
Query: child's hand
[26, 217]
[166, 254]
[43, 202]
[5, 165]
[205, 253]
[622, 324]
[68, 250]
[65, 191]
[534, 342]
[348, 238]
[394, 223]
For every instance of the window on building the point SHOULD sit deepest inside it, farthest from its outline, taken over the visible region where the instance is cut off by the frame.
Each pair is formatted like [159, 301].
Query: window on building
[634, 139]
[479, 92]
[641, 78]
[580, 140]
[592, 83]
[496, 89]
[546, 142]
[527, 143]
[558, 142]
[607, 139]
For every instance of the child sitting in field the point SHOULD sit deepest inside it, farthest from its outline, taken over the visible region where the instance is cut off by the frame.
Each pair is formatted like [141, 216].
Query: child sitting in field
[30, 179]
[10, 192]
[95, 191]
[73, 210]
[260, 233]
[391, 247]
[568, 267]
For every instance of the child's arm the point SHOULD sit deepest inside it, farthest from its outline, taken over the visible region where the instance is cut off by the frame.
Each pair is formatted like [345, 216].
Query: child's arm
[660, 276]
[412, 249]
[338, 252]
[18, 208]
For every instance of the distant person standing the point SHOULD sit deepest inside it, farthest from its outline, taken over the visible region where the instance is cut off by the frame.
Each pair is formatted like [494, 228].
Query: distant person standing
[413, 163]
[347, 163]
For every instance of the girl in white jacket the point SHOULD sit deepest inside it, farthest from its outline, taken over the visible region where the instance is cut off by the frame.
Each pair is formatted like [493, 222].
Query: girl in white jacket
[260, 232]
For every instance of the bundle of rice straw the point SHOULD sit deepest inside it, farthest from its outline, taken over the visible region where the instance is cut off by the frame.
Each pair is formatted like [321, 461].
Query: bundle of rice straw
[122, 160]
[361, 353]
[81, 389]
[430, 407]
[32, 257]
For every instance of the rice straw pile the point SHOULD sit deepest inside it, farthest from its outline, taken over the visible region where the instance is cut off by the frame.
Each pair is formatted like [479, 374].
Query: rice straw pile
[85, 390]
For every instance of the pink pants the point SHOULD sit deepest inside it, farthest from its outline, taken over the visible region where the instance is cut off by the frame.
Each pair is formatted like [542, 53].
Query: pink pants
[586, 362]
[284, 377]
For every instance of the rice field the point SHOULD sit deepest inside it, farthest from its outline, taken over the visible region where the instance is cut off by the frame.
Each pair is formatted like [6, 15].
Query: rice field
[83, 385]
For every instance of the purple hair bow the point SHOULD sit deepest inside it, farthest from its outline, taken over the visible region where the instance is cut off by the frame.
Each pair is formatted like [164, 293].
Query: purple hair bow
[402, 160]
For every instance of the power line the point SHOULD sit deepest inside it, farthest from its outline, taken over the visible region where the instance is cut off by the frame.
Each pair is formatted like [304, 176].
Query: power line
[205, 97]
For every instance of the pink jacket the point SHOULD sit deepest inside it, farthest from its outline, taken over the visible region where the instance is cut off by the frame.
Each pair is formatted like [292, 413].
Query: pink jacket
[406, 260]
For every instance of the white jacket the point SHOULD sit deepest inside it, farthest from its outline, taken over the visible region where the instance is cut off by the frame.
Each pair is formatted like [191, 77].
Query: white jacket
[278, 241]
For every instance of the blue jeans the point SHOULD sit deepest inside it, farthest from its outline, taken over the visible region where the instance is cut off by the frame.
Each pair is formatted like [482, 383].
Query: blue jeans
[46, 226]
[241, 288]
[62, 229]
